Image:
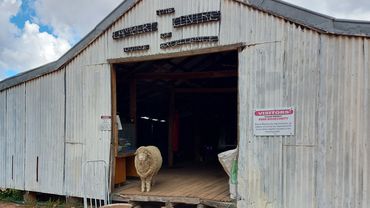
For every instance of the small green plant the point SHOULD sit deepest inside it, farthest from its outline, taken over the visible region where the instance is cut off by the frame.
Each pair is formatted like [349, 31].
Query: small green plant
[11, 195]
[53, 203]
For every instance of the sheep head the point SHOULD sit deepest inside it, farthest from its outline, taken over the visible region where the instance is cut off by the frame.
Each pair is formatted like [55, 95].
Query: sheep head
[144, 158]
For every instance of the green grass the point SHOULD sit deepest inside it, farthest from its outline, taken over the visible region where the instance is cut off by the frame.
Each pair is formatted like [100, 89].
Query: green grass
[52, 203]
[11, 195]
[16, 196]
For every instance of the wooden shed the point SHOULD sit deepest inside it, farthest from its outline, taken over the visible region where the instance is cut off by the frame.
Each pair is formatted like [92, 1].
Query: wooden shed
[289, 87]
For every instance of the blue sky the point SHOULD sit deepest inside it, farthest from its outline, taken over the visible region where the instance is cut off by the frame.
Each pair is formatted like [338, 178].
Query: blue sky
[27, 12]
[36, 32]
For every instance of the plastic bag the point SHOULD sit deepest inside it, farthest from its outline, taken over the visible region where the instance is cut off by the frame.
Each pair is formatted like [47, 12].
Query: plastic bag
[229, 162]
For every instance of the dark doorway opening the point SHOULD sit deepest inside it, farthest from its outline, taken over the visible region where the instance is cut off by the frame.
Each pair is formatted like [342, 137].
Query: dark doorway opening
[185, 106]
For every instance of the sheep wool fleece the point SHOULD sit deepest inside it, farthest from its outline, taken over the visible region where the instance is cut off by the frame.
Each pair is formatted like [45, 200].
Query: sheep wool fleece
[148, 161]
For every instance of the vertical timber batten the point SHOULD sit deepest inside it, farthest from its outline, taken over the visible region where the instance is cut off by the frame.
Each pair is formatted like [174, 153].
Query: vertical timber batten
[114, 139]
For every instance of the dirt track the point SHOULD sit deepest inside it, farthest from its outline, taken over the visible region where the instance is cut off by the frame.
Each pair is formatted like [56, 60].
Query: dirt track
[11, 205]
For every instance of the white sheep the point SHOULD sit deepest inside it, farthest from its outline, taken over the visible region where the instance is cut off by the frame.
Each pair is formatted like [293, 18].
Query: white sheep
[148, 161]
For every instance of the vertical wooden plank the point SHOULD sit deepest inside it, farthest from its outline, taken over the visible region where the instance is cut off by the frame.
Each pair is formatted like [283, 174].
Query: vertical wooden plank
[171, 114]
[114, 142]
[120, 176]
[133, 107]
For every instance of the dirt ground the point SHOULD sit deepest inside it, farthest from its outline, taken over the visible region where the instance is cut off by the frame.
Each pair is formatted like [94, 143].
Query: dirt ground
[11, 205]
[14, 205]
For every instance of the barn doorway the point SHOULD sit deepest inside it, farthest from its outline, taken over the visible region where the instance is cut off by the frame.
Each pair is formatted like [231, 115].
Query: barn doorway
[185, 106]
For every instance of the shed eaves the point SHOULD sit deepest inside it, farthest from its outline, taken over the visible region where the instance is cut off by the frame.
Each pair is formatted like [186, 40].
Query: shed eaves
[299, 15]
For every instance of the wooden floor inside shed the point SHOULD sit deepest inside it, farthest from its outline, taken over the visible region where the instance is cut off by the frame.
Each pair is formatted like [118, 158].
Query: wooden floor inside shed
[199, 185]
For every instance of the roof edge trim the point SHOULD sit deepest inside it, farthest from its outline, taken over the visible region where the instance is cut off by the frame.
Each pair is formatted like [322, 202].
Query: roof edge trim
[321, 22]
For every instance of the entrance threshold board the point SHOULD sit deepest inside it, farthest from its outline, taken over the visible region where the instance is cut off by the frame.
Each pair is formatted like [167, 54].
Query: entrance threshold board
[174, 200]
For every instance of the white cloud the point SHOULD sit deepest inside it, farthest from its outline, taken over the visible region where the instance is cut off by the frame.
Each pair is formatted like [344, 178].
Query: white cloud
[71, 19]
[31, 49]
[7, 9]
[28, 48]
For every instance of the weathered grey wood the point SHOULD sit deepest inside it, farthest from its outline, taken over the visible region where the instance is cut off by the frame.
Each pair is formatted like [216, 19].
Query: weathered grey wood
[140, 198]
[218, 204]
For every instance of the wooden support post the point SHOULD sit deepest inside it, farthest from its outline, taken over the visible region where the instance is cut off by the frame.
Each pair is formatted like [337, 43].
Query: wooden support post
[133, 111]
[114, 142]
[170, 127]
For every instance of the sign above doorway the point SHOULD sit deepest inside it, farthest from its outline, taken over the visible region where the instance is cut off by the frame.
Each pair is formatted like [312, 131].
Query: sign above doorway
[182, 21]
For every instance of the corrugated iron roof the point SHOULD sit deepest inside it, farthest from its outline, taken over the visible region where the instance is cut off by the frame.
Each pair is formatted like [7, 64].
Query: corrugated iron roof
[296, 14]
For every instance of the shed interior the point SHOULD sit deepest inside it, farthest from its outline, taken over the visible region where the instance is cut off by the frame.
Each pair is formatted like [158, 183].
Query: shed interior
[185, 106]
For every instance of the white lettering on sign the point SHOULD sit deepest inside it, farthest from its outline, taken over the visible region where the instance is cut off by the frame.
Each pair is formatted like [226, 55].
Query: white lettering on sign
[274, 122]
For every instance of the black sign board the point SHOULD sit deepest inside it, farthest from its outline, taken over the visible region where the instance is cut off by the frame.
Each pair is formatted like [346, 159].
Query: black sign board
[189, 41]
[165, 11]
[196, 18]
[136, 48]
[135, 30]
[166, 35]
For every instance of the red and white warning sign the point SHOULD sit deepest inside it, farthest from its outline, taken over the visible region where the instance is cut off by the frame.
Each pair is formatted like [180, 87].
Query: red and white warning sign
[274, 122]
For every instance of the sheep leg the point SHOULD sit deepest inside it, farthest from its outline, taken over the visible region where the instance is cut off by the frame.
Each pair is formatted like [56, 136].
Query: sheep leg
[142, 185]
[148, 186]
[148, 183]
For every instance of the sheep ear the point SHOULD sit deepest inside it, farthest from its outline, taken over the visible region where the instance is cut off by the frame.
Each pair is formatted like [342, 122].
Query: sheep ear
[137, 151]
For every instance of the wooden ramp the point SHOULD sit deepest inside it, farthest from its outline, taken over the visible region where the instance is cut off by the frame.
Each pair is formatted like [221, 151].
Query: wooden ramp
[207, 186]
